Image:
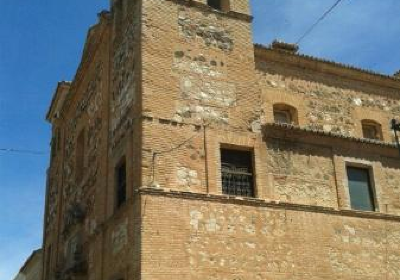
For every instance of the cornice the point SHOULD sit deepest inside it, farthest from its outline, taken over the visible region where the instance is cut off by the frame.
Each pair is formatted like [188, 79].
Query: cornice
[56, 98]
[264, 203]
[322, 133]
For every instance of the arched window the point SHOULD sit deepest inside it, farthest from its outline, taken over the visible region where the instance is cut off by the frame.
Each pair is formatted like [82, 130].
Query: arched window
[222, 5]
[285, 114]
[371, 129]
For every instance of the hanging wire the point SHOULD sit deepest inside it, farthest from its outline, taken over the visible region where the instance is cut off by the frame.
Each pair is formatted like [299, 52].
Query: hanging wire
[18, 151]
[318, 21]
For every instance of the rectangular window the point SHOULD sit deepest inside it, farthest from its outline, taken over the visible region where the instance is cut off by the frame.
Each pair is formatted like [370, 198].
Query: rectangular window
[282, 117]
[120, 183]
[80, 156]
[360, 189]
[371, 132]
[222, 5]
[237, 172]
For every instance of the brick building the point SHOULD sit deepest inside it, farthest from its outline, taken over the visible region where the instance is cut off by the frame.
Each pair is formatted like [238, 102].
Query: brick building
[182, 150]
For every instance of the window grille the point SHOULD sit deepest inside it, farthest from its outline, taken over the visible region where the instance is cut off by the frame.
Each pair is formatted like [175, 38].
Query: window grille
[237, 173]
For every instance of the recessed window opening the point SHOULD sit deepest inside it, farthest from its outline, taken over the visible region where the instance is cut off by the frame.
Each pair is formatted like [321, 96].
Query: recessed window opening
[285, 114]
[120, 173]
[371, 130]
[80, 156]
[360, 189]
[237, 172]
[222, 5]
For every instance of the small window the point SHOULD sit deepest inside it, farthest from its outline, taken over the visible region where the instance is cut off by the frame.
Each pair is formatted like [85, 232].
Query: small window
[80, 156]
[285, 114]
[120, 184]
[360, 189]
[222, 5]
[58, 139]
[282, 117]
[53, 147]
[371, 130]
[237, 172]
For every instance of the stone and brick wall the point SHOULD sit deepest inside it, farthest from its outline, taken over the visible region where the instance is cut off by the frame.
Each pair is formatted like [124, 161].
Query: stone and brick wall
[200, 237]
[166, 84]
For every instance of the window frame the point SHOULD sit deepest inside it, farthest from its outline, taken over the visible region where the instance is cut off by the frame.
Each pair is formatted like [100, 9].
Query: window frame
[252, 167]
[372, 124]
[371, 185]
[290, 111]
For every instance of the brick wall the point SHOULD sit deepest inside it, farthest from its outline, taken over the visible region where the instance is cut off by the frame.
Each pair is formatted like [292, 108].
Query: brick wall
[205, 238]
[167, 84]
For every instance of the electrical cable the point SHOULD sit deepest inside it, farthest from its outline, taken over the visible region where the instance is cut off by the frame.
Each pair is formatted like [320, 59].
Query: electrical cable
[18, 151]
[318, 21]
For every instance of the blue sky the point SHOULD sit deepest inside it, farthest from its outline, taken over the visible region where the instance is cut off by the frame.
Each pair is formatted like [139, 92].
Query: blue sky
[41, 43]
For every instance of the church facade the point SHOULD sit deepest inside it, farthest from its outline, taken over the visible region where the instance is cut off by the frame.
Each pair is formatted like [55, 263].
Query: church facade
[183, 150]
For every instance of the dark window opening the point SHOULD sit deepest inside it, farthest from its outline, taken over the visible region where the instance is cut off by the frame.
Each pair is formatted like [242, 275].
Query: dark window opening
[121, 184]
[237, 172]
[282, 117]
[360, 189]
[58, 139]
[53, 147]
[80, 156]
[55, 142]
[285, 114]
[222, 5]
[371, 130]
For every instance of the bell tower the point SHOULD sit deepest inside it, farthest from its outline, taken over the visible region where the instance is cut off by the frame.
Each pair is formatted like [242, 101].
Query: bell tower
[197, 68]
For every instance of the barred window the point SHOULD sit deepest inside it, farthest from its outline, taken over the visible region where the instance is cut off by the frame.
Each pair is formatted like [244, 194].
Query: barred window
[237, 172]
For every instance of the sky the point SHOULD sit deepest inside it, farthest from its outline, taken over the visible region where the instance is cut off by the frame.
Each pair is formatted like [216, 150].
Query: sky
[41, 43]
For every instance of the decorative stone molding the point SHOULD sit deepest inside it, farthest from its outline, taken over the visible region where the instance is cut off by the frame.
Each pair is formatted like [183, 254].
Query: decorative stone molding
[246, 201]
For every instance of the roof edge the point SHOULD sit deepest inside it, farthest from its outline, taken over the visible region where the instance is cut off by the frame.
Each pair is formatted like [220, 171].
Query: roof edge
[351, 72]
[66, 85]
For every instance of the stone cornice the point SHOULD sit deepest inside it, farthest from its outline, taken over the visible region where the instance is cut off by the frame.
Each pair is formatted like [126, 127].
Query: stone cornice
[326, 66]
[263, 203]
[321, 133]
